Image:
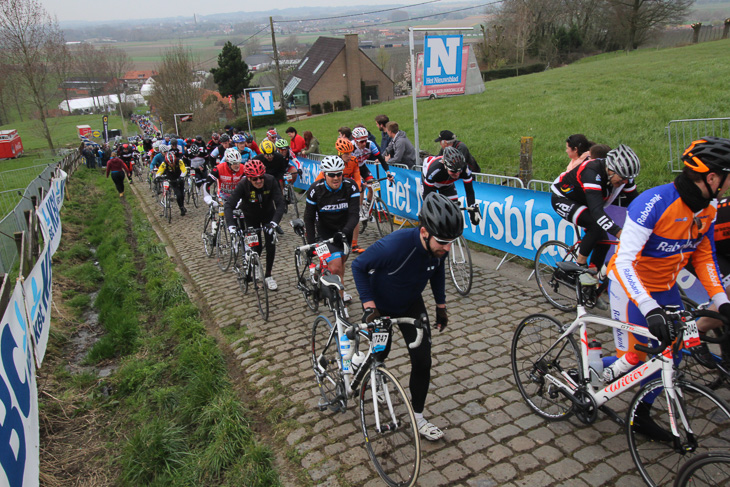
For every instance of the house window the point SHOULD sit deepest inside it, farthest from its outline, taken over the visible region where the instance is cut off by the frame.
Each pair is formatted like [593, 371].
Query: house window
[317, 68]
[369, 94]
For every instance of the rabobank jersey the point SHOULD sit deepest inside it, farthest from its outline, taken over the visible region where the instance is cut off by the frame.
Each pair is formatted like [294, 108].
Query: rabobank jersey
[660, 235]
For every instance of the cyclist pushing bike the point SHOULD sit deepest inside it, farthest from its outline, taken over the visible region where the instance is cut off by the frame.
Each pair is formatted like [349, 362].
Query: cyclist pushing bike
[262, 205]
[174, 170]
[440, 174]
[666, 227]
[227, 174]
[581, 194]
[391, 275]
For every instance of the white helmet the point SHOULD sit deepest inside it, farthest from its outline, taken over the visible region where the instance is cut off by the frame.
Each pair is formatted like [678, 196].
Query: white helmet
[332, 164]
[359, 133]
[623, 161]
[232, 156]
[164, 148]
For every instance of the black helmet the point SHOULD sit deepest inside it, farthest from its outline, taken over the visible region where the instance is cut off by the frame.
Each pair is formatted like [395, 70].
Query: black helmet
[708, 154]
[193, 150]
[453, 159]
[225, 138]
[441, 217]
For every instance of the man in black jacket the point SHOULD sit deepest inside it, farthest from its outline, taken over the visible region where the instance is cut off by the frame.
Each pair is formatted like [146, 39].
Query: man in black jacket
[447, 139]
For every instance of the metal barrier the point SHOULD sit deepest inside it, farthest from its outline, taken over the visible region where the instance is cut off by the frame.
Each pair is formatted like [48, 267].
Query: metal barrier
[499, 180]
[19, 178]
[539, 185]
[681, 133]
[316, 157]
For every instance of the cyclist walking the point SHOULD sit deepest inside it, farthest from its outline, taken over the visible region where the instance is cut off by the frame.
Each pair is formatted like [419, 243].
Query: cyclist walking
[174, 170]
[227, 174]
[440, 174]
[391, 275]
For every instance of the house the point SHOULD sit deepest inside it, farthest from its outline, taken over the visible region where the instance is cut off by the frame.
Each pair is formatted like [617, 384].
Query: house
[135, 79]
[335, 68]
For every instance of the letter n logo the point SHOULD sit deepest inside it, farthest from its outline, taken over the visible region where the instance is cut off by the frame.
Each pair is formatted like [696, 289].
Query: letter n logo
[262, 103]
[442, 60]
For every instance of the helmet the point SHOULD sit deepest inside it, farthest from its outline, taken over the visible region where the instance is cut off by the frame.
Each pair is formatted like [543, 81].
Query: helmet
[623, 161]
[248, 137]
[332, 164]
[232, 156]
[359, 133]
[453, 159]
[238, 139]
[267, 147]
[225, 138]
[281, 144]
[164, 148]
[441, 217]
[156, 146]
[708, 154]
[215, 136]
[167, 136]
[170, 158]
[343, 146]
[193, 150]
[271, 133]
[254, 168]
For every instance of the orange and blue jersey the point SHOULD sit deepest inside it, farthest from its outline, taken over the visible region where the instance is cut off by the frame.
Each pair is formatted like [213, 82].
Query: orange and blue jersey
[661, 234]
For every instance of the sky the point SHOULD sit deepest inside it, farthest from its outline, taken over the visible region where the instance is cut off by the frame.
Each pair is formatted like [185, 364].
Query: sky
[66, 10]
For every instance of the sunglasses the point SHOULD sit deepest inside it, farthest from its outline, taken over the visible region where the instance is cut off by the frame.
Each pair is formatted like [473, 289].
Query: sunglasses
[255, 178]
[443, 242]
[334, 174]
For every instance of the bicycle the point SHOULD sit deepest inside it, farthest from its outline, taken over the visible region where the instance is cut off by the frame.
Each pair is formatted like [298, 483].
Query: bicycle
[387, 420]
[554, 378]
[375, 210]
[191, 188]
[710, 468]
[166, 200]
[313, 274]
[248, 268]
[290, 197]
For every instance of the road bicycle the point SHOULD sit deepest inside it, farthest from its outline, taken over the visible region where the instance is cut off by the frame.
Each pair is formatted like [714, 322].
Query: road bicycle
[553, 376]
[708, 469]
[290, 196]
[166, 200]
[313, 273]
[216, 238]
[374, 209]
[191, 188]
[387, 420]
[247, 266]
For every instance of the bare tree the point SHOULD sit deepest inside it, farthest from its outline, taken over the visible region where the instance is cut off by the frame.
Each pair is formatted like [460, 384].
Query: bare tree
[61, 62]
[639, 19]
[382, 59]
[175, 90]
[117, 62]
[27, 38]
[90, 65]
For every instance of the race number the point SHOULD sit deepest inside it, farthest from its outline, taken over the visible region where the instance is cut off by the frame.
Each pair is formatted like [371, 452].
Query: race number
[252, 240]
[322, 250]
[691, 335]
[378, 343]
[376, 185]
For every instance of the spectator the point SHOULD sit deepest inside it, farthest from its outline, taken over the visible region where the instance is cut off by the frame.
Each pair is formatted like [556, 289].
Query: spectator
[447, 139]
[345, 132]
[118, 170]
[577, 147]
[89, 155]
[400, 150]
[599, 151]
[296, 141]
[311, 142]
[382, 121]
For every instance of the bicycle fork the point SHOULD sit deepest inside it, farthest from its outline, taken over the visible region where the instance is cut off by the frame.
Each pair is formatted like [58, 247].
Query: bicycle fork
[382, 395]
[676, 410]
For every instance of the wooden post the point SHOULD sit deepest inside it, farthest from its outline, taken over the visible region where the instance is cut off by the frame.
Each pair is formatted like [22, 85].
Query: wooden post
[5, 289]
[696, 27]
[726, 28]
[525, 159]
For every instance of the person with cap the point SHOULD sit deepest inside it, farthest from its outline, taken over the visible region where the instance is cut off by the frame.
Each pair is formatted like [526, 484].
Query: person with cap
[390, 277]
[447, 138]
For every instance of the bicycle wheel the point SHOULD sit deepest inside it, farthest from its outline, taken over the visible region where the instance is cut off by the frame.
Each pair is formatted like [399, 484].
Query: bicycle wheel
[389, 427]
[698, 371]
[531, 363]
[292, 199]
[168, 206]
[326, 365]
[707, 469]
[708, 417]
[460, 268]
[304, 281]
[558, 289]
[194, 194]
[382, 216]
[262, 293]
[208, 235]
[223, 249]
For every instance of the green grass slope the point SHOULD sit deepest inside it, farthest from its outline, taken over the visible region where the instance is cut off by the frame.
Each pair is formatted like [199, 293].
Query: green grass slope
[612, 98]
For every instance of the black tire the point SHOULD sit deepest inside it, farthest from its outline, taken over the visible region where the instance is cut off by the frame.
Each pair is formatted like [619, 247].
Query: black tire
[194, 194]
[532, 339]
[707, 469]
[325, 358]
[460, 266]
[262, 292]
[709, 419]
[556, 287]
[395, 450]
[168, 206]
[382, 216]
[208, 236]
[292, 199]
[304, 281]
[697, 371]
[223, 250]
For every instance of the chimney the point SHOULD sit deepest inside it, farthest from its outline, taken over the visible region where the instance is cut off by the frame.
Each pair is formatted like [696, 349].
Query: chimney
[352, 65]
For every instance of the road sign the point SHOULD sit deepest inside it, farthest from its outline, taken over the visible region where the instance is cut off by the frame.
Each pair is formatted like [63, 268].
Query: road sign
[96, 133]
[262, 103]
[442, 60]
[105, 121]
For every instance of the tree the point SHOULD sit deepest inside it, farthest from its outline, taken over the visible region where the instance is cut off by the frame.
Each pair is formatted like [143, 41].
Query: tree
[232, 75]
[382, 59]
[175, 90]
[117, 63]
[638, 19]
[27, 39]
[89, 64]
[62, 64]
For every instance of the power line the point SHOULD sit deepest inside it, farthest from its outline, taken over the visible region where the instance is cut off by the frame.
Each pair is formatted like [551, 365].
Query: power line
[356, 15]
[441, 13]
[237, 45]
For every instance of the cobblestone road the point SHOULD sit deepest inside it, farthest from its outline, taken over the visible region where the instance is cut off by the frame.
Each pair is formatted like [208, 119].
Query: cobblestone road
[491, 438]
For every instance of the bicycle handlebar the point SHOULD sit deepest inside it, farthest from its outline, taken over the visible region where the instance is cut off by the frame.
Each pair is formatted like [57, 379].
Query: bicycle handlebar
[352, 331]
[308, 247]
[678, 322]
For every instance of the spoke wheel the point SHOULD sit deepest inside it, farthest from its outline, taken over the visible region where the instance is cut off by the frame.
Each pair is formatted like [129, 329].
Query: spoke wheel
[530, 366]
[558, 289]
[460, 268]
[304, 281]
[708, 417]
[224, 253]
[382, 216]
[208, 235]
[293, 200]
[262, 292]
[696, 370]
[707, 469]
[325, 350]
[389, 427]
[168, 206]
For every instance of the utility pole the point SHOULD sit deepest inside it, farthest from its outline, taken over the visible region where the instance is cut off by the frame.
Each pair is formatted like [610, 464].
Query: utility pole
[276, 61]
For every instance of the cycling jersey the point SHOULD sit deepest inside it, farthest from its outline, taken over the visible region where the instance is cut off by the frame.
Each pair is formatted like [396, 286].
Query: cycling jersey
[334, 210]
[437, 178]
[172, 172]
[246, 155]
[351, 171]
[227, 179]
[661, 234]
[265, 204]
[276, 166]
[368, 153]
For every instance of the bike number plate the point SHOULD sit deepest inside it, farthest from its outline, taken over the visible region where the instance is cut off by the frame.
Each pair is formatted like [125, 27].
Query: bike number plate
[252, 240]
[376, 185]
[287, 177]
[378, 343]
[691, 335]
[166, 185]
[192, 172]
[322, 251]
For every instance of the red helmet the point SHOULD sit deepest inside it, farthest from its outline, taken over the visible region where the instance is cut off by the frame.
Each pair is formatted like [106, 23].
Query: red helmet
[254, 168]
[170, 158]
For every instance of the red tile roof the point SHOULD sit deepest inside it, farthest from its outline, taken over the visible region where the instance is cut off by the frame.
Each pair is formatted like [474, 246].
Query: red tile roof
[139, 74]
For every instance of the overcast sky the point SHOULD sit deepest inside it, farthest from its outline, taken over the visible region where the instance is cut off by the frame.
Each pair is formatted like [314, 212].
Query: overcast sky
[144, 9]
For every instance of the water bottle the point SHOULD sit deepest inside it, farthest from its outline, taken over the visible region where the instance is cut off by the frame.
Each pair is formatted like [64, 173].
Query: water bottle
[620, 367]
[214, 225]
[357, 360]
[345, 351]
[595, 363]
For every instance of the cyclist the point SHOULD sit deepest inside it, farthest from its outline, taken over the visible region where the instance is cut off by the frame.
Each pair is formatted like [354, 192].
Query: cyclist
[271, 135]
[263, 206]
[174, 171]
[197, 162]
[333, 206]
[216, 155]
[246, 153]
[352, 171]
[276, 164]
[251, 143]
[213, 142]
[440, 174]
[227, 174]
[366, 150]
[666, 227]
[592, 186]
[126, 152]
[294, 166]
[391, 275]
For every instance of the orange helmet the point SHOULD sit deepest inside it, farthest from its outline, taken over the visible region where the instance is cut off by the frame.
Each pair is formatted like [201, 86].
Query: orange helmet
[343, 146]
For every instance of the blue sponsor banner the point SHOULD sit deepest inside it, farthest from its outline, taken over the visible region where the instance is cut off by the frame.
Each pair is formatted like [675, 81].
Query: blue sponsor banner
[442, 60]
[262, 103]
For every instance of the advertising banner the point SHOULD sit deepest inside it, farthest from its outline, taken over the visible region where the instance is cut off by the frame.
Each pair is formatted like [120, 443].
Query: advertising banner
[442, 60]
[444, 89]
[49, 211]
[38, 292]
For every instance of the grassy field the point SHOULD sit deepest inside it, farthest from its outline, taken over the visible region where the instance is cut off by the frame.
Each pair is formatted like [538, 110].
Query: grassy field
[612, 98]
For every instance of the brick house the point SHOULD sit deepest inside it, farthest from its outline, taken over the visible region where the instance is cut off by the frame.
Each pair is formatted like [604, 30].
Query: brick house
[135, 79]
[335, 68]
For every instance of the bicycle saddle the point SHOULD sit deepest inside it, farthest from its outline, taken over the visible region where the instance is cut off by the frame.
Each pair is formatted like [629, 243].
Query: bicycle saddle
[333, 281]
[577, 268]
